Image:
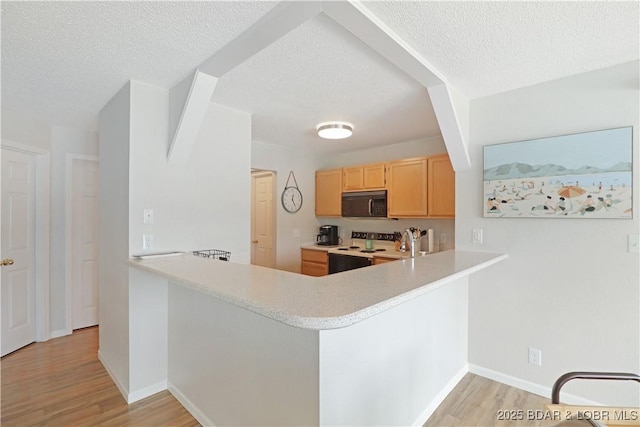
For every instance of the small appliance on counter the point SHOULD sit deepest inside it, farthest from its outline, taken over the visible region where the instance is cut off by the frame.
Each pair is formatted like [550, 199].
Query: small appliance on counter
[328, 235]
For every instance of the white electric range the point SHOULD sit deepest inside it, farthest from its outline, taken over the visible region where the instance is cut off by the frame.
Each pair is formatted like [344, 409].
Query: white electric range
[357, 255]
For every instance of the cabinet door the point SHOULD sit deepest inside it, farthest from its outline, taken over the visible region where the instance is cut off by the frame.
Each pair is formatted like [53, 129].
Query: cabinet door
[441, 187]
[373, 176]
[314, 269]
[407, 188]
[381, 260]
[353, 178]
[329, 192]
[312, 255]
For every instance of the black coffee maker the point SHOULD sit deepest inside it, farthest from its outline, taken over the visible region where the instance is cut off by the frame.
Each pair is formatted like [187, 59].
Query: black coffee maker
[328, 235]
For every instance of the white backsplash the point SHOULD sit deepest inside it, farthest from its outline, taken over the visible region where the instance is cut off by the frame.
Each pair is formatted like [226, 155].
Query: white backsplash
[443, 228]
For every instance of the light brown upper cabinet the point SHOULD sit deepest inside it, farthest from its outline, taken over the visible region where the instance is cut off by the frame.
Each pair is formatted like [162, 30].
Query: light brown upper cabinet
[441, 187]
[420, 187]
[364, 177]
[407, 188]
[329, 192]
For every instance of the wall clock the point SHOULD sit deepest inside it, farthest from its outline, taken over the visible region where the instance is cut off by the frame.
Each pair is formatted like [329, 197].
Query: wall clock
[291, 196]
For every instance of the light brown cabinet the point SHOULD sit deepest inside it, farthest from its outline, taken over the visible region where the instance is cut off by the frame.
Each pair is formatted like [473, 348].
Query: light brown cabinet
[329, 192]
[407, 188]
[364, 177]
[314, 262]
[441, 187]
[381, 260]
[420, 187]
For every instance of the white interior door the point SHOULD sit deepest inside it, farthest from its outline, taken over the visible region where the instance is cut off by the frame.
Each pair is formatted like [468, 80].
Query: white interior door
[84, 242]
[263, 227]
[18, 244]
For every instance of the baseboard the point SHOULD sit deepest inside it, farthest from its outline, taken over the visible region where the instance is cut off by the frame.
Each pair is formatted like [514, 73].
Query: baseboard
[189, 406]
[59, 333]
[534, 388]
[439, 398]
[147, 391]
[123, 390]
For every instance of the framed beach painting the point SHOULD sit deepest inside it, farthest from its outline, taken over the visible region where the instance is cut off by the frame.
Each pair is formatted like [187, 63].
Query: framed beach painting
[584, 175]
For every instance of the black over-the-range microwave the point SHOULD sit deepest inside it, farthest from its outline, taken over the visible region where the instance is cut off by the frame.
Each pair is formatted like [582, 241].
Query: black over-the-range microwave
[365, 204]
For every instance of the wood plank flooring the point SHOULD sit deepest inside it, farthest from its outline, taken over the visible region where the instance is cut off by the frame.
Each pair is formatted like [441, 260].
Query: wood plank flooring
[477, 401]
[61, 382]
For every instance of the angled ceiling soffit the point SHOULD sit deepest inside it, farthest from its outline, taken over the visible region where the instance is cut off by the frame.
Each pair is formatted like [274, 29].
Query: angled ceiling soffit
[363, 24]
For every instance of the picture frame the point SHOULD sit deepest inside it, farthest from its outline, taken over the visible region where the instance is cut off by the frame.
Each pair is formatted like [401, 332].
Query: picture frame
[581, 175]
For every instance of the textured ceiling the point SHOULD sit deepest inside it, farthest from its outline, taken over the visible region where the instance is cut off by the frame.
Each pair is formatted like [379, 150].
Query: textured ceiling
[62, 61]
[484, 48]
[320, 72]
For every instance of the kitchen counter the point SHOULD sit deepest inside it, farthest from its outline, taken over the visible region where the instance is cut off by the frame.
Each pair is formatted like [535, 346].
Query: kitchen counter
[333, 301]
[300, 350]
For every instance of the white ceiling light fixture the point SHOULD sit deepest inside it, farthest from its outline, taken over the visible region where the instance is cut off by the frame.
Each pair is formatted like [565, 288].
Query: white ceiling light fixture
[334, 130]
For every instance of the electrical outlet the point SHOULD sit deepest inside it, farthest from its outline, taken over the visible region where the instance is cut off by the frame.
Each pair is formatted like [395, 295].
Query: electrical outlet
[147, 241]
[296, 233]
[633, 243]
[476, 235]
[535, 356]
[443, 238]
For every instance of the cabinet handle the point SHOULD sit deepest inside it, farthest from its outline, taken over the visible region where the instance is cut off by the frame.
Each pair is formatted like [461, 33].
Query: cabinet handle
[7, 261]
[254, 241]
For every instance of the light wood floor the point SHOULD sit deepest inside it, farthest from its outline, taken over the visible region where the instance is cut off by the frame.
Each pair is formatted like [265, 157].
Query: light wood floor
[61, 382]
[478, 401]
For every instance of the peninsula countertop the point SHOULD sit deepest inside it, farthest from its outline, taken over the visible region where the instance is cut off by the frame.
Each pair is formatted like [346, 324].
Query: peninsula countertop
[328, 302]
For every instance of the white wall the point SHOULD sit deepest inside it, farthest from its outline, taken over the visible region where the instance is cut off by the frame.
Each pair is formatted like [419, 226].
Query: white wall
[113, 237]
[248, 369]
[422, 147]
[26, 130]
[396, 367]
[199, 205]
[569, 287]
[64, 141]
[203, 204]
[282, 160]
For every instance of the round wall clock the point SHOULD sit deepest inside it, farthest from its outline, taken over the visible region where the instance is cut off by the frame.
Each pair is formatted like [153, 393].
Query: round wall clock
[291, 196]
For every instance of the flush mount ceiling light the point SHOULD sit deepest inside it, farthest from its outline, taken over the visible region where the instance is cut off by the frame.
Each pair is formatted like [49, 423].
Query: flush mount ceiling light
[335, 130]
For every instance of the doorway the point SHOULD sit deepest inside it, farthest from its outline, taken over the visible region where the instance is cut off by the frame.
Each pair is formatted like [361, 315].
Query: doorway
[263, 218]
[82, 241]
[25, 246]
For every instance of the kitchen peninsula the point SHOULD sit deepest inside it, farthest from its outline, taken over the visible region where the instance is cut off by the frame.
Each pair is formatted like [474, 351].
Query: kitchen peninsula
[245, 345]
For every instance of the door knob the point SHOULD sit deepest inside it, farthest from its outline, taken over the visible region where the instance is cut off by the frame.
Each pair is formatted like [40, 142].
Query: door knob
[7, 261]
[254, 241]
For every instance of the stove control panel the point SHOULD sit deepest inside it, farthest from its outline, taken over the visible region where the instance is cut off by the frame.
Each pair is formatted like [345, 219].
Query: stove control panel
[374, 236]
